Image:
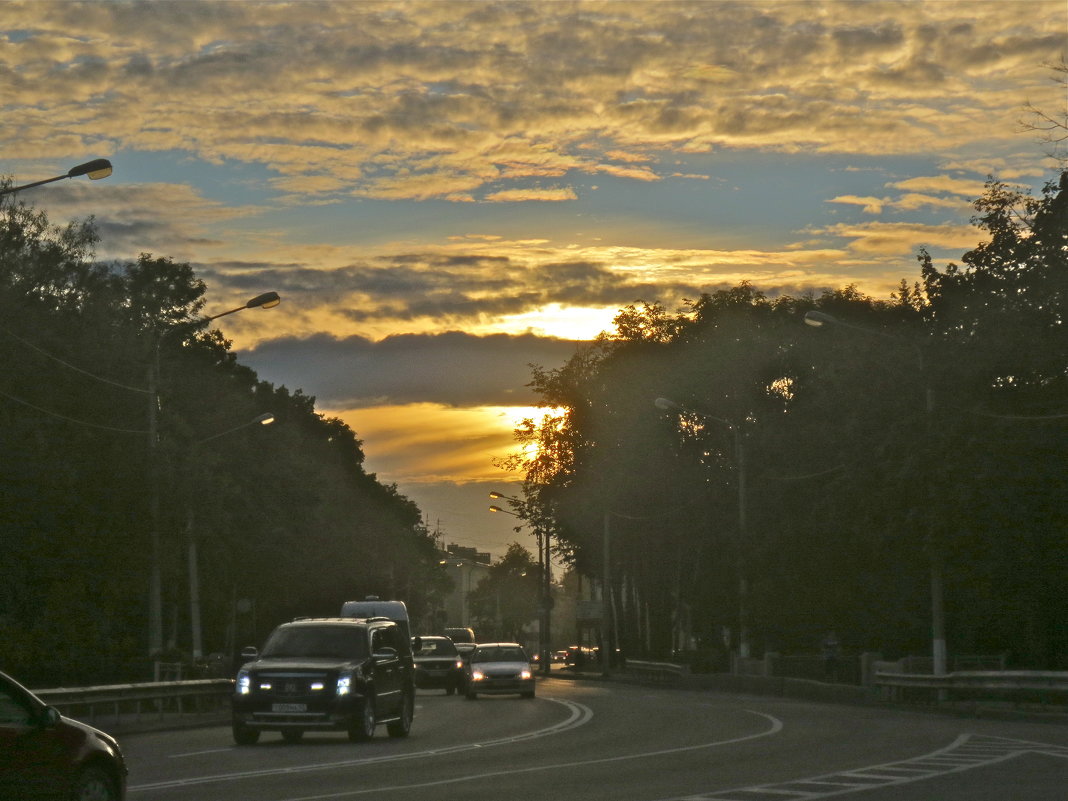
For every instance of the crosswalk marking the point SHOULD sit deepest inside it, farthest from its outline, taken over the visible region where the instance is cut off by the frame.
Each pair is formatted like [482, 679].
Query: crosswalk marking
[964, 753]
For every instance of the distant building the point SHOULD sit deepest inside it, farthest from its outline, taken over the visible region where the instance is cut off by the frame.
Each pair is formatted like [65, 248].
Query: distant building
[466, 567]
[463, 552]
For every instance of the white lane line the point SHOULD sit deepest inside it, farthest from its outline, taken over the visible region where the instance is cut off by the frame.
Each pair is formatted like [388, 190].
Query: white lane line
[964, 753]
[774, 728]
[226, 748]
[578, 715]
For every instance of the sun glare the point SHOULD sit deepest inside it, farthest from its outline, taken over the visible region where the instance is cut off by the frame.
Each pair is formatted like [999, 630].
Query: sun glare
[573, 322]
[431, 442]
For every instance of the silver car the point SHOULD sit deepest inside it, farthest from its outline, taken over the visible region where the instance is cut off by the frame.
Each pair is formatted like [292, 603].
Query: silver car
[499, 668]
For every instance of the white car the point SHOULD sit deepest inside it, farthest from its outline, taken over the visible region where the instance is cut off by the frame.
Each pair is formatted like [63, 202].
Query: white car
[499, 668]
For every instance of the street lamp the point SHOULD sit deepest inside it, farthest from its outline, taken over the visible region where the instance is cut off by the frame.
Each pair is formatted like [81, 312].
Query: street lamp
[266, 300]
[95, 170]
[545, 601]
[194, 574]
[667, 405]
[818, 319]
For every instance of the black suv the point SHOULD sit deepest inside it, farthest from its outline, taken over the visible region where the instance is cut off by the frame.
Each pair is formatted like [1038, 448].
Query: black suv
[326, 674]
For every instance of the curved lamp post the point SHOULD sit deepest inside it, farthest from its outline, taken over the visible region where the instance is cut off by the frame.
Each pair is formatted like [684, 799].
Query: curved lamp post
[95, 170]
[667, 405]
[266, 300]
[818, 319]
[544, 587]
[194, 574]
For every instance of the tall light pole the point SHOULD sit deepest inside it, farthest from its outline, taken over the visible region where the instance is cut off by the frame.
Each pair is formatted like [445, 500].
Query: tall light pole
[266, 300]
[545, 598]
[191, 540]
[95, 170]
[818, 319]
[667, 405]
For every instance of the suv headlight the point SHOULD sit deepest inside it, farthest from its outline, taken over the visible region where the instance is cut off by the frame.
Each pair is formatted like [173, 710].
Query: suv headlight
[344, 683]
[477, 675]
[524, 675]
[244, 682]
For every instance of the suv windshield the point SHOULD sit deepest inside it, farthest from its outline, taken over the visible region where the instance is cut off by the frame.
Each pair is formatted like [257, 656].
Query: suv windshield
[338, 642]
[436, 648]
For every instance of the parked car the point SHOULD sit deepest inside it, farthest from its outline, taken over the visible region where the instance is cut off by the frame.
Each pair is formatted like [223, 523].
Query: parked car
[437, 664]
[44, 755]
[327, 674]
[498, 668]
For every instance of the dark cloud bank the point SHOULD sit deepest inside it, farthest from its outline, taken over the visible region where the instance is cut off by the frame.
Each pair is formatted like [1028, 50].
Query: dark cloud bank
[452, 368]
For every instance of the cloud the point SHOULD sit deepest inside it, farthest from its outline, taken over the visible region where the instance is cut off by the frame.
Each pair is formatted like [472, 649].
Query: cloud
[425, 442]
[871, 205]
[162, 218]
[426, 100]
[900, 239]
[449, 369]
[945, 184]
[518, 195]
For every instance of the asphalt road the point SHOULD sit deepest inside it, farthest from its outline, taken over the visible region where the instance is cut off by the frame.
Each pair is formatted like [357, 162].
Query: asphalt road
[600, 741]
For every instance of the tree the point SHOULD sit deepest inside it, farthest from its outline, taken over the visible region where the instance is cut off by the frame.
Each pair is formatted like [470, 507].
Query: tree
[929, 428]
[290, 507]
[506, 601]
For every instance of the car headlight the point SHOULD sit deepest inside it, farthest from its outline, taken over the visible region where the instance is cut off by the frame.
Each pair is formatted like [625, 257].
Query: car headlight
[344, 683]
[459, 664]
[476, 675]
[525, 674]
[244, 683]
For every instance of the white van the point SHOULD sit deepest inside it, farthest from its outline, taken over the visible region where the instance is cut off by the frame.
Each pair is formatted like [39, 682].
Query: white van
[373, 606]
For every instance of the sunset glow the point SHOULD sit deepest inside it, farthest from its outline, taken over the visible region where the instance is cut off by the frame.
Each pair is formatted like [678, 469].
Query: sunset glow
[444, 193]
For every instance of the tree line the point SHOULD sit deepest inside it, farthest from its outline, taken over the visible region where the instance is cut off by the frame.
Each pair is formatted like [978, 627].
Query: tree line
[795, 480]
[124, 416]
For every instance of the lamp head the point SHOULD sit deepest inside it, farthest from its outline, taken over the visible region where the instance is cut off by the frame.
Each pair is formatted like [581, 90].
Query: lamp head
[95, 169]
[817, 319]
[268, 300]
[667, 405]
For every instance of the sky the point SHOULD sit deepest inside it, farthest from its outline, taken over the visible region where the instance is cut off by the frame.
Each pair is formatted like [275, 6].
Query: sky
[445, 193]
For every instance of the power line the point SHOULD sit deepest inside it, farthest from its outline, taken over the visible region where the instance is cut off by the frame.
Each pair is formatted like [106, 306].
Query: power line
[85, 423]
[76, 369]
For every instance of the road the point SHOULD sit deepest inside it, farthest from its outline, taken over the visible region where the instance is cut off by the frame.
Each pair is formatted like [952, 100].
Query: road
[605, 741]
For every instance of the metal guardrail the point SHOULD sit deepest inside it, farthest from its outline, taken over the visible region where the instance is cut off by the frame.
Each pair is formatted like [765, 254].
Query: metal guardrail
[659, 671]
[1019, 684]
[137, 702]
[134, 704]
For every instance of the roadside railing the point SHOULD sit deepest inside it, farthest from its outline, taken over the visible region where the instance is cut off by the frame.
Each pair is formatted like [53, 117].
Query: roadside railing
[138, 703]
[655, 671]
[1043, 686]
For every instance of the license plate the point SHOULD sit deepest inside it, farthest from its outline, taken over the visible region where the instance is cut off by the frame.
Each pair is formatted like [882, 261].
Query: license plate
[289, 707]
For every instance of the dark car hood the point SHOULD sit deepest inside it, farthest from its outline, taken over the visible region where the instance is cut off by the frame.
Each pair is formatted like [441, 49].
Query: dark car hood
[83, 733]
[302, 663]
